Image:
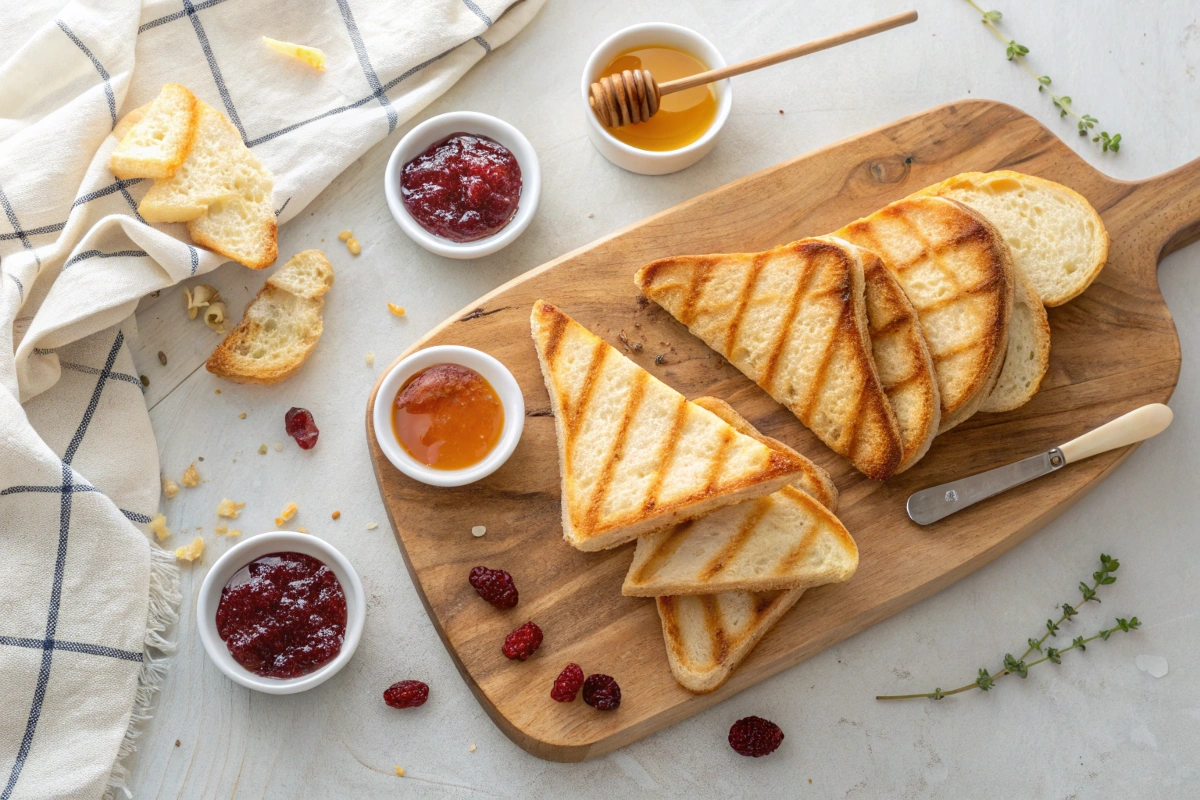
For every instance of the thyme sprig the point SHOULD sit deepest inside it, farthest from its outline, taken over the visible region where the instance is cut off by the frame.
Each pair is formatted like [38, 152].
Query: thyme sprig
[1018, 666]
[1084, 123]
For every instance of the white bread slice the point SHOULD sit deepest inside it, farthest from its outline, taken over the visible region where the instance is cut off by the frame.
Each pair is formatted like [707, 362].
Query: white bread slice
[634, 454]
[281, 326]
[902, 360]
[786, 540]
[1028, 352]
[159, 139]
[708, 636]
[1057, 239]
[794, 320]
[957, 272]
[125, 124]
[240, 228]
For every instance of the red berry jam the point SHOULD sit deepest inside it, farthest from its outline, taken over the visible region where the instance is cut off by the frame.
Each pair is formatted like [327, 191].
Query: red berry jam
[463, 188]
[283, 615]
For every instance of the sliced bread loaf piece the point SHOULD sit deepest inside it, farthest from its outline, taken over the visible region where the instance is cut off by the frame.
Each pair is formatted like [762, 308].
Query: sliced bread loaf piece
[281, 325]
[159, 139]
[1057, 239]
[1028, 355]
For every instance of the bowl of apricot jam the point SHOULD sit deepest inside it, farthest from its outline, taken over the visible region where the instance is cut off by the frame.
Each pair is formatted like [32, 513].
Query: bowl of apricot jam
[448, 415]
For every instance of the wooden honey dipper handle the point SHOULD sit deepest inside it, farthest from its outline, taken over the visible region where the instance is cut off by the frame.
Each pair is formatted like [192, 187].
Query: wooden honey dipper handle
[633, 96]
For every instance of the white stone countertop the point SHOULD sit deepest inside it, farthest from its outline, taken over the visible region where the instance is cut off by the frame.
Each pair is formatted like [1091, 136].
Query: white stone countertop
[1097, 726]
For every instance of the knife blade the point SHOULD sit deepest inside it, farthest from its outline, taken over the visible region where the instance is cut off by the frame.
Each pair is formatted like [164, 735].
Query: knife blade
[938, 502]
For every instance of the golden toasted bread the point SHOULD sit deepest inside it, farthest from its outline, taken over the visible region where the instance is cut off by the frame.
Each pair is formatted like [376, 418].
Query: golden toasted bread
[155, 138]
[957, 272]
[708, 636]
[1028, 355]
[794, 320]
[634, 454]
[786, 540]
[902, 360]
[1057, 239]
[281, 326]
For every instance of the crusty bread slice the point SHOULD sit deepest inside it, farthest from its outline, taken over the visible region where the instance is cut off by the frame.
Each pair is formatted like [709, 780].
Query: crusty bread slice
[708, 636]
[634, 454]
[902, 360]
[159, 140]
[957, 272]
[794, 320]
[1028, 351]
[1057, 239]
[240, 228]
[281, 326]
[125, 124]
[786, 540]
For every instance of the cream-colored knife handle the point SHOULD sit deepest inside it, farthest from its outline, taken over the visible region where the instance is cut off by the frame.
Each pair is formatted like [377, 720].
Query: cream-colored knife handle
[1136, 426]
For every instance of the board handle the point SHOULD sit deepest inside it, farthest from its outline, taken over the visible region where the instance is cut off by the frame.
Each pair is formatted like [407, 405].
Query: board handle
[1175, 197]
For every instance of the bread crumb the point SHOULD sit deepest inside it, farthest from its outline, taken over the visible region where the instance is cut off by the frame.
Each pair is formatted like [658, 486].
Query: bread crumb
[192, 551]
[262, 449]
[337, 514]
[229, 509]
[288, 512]
[279, 447]
[301, 529]
[216, 391]
[395, 309]
[370, 358]
[159, 525]
[313, 56]
[191, 478]
[221, 529]
[478, 531]
[170, 488]
[471, 749]
[590, 215]
[242, 415]
[345, 236]
[399, 771]
[372, 526]
[354, 247]
[234, 532]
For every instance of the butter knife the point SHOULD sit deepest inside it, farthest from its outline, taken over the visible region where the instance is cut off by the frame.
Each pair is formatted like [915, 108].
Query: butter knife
[938, 502]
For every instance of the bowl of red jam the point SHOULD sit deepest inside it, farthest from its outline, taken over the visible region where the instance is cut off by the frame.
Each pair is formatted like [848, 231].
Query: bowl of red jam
[463, 184]
[448, 415]
[281, 612]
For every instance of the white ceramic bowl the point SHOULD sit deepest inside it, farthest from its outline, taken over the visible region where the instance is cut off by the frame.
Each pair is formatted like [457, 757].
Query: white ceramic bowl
[649, 162]
[419, 139]
[492, 370]
[242, 554]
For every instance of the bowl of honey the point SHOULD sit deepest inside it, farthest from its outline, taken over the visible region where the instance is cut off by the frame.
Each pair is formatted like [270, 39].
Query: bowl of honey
[686, 126]
[448, 415]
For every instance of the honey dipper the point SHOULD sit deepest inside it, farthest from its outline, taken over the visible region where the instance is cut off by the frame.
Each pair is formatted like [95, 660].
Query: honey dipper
[632, 96]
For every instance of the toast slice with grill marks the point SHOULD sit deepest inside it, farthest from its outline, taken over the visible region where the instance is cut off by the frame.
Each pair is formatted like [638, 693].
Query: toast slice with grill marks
[794, 320]
[786, 540]
[634, 454]
[958, 273]
[708, 636]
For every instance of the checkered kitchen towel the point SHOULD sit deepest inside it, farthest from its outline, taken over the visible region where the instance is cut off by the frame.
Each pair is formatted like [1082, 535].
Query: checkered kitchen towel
[85, 598]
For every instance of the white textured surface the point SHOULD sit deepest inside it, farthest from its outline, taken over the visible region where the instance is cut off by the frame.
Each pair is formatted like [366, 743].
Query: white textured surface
[1094, 727]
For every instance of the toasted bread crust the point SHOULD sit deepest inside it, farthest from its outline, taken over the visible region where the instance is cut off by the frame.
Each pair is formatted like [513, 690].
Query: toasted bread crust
[967, 367]
[130, 168]
[1037, 325]
[820, 273]
[267, 245]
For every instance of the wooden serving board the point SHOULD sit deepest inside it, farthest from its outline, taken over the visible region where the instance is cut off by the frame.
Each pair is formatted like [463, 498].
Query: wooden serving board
[1114, 348]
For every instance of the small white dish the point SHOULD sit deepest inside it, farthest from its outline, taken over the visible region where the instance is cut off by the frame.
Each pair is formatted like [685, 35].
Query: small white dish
[419, 139]
[492, 370]
[242, 554]
[650, 162]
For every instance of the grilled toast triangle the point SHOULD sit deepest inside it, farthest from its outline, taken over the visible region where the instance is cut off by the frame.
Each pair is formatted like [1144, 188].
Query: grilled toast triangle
[634, 454]
[793, 319]
[785, 540]
[957, 271]
[708, 636]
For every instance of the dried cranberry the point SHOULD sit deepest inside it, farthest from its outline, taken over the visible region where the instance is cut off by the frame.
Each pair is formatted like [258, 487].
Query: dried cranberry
[755, 736]
[406, 694]
[301, 427]
[494, 585]
[601, 692]
[567, 683]
[523, 642]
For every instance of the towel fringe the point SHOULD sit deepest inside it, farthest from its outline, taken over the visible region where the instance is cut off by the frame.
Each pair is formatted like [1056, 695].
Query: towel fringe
[163, 612]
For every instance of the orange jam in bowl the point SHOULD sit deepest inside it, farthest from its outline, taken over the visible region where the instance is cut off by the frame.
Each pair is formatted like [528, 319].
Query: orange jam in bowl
[447, 416]
[683, 117]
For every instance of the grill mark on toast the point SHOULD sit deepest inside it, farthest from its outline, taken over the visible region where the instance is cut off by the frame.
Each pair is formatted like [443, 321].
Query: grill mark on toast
[788, 562]
[701, 273]
[668, 457]
[736, 542]
[574, 415]
[844, 327]
[716, 633]
[756, 268]
[767, 378]
[636, 393]
[558, 324]
[955, 351]
[714, 469]
[666, 548]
